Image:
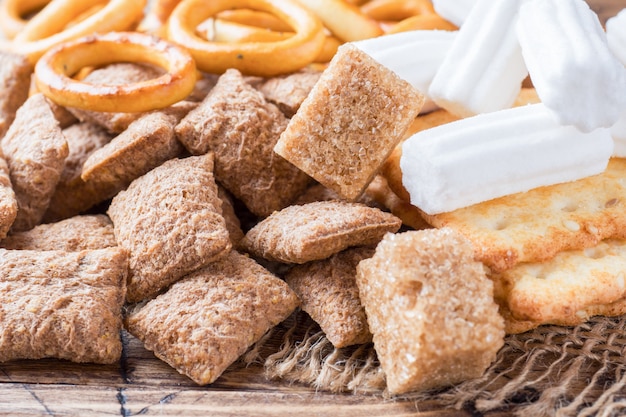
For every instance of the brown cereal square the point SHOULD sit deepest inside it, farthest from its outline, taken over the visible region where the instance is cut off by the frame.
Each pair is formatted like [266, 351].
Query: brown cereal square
[288, 92]
[353, 118]
[314, 231]
[329, 294]
[430, 309]
[237, 124]
[170, 220]
[8, 202]
[35, 151]
[74, 313]
[71, 235]
[15, 71]
[207, 320]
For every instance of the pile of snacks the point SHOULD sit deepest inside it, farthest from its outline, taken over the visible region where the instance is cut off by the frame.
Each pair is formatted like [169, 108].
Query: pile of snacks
[211, 180]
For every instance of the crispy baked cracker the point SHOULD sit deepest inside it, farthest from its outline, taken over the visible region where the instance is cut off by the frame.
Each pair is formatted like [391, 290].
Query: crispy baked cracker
[314, 231]
[566, 289]
[348, 125]
[15, 71]
[74, 313]
[430, 309]
[536, 225]
[328, 292]
[8, 202]
[170, 220]
[205, 321]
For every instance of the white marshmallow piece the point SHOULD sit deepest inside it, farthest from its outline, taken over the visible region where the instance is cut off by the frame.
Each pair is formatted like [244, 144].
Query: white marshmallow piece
[454, 11]
[618, 131]
[569, 61]
[616, 35]
[495, 154]
[484, 68]
[415, 56]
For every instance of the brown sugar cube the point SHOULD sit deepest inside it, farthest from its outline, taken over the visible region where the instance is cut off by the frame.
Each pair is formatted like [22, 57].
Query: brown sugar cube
[314, 231]
[237, 124]
[114, 74]
[205, 321]
[15, 71]
[8, 202]
[170, 220]
[35, 151]
[72, 195]
[74, 313]
[147, 143]
[353, 118]
[430, 309]
[289, 91]
[329, 294]
[72, 235]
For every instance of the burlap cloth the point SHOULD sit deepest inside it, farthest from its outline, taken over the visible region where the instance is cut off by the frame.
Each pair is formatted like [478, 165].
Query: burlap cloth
[551, 370]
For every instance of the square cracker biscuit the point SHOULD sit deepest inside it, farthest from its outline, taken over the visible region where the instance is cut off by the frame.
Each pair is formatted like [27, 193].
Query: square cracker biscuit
[430, 309]
[536, 225]
[35, 150]
[205, 321]
[170, 220]
[350, 122]
[565, 290]
[73, 314]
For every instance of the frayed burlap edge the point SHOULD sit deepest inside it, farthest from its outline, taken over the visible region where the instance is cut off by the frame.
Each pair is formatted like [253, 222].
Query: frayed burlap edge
[551, 370]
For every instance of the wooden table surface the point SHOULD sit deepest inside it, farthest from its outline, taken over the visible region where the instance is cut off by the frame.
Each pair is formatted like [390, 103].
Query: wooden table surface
[140, 384]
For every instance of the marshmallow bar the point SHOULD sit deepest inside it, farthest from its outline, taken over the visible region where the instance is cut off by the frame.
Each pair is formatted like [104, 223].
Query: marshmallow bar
[484, 69]
[415, 55]
[618, 131]
[568, 58]
[454, 11]
[494, 154]
[616, 35]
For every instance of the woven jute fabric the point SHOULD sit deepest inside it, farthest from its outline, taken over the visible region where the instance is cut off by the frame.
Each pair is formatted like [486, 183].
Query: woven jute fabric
[552, 370]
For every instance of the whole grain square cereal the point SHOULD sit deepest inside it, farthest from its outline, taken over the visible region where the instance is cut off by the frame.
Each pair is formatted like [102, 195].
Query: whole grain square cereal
[74, 313]
[289, 91]
[72, 235]
[205, 321]
[240, 127]
[170, 220]
[35, 151]
[430, 309]
[350, 122]
[15, 71]
[314, 231]
[329, 294]
[8, 202]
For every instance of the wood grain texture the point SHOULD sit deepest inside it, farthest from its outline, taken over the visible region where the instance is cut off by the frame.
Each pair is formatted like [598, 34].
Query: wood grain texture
[142, 385]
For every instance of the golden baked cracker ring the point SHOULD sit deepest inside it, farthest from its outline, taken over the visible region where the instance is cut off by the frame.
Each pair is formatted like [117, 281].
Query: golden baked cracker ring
[218, 30]
[54, 69]
[421, 22]
[156, 17]
[12, 13]
[331, 44]
[396, 9]
[254, 58]
[255, 18]
[117, 15]
[344, 20]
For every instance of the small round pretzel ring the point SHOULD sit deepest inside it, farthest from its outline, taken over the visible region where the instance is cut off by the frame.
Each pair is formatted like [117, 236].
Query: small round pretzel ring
[54, 70]
[218, 30]
[255, 18]
[396, 10]
[40, 33]
[12, 13]
[421, 22]
[253, 58]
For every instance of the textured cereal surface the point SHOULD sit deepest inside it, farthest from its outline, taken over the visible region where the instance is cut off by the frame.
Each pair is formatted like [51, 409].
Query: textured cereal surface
[74, 313]
[145, 144]
[563, 289]
[536, 225]
[170, 220]
[348, 125]
[328, 292]
[230, 217]
[114, 74]
[72, 235]
[8, 202]
[430, 309]
[15, 74]
[289, 91]
[237, 124]
[205, 321]
[35, 151]
[314, 231]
